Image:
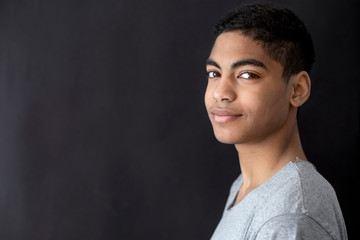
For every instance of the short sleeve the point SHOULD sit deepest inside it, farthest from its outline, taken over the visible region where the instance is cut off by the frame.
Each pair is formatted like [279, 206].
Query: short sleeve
[291, 227]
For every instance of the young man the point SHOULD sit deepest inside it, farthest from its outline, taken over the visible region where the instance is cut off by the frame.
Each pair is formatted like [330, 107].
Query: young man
[257, 79]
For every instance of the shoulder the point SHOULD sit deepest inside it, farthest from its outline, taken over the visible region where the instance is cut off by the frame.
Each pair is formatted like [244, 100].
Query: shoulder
[301, 196]
[320, 200]
[292, 226]
[300, 188]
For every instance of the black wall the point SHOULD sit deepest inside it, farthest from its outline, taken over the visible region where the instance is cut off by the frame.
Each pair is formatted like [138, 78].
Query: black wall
[103, 130]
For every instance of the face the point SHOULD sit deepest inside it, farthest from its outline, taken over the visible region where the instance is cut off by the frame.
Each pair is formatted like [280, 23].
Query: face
[246, 97]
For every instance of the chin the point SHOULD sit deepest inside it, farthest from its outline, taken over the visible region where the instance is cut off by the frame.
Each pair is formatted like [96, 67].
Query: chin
[227, 138]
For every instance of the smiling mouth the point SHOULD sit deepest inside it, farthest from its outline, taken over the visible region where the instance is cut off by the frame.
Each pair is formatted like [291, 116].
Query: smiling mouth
[224, 116]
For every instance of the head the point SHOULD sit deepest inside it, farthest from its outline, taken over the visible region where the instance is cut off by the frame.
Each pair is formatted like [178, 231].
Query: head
[257, 73]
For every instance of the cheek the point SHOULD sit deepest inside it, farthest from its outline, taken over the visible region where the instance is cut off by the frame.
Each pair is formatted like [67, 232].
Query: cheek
[208, 96]
[267, 103]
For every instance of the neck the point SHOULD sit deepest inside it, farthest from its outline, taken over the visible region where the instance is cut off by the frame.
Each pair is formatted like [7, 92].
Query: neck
[260, 161]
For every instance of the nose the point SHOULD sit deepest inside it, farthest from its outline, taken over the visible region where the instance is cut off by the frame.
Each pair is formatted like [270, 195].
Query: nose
[224, 91]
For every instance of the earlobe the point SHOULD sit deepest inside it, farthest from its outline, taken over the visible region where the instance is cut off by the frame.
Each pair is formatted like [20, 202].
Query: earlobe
[301, 86]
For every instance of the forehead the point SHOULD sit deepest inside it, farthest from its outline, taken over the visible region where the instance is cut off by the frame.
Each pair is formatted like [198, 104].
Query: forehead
[233, 46]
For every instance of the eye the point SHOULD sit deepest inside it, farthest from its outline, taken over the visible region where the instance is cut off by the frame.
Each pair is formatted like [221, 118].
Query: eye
[248, 75]
[212, 74]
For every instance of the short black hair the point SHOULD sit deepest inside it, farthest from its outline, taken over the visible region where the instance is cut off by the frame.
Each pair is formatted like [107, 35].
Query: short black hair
[282, 34]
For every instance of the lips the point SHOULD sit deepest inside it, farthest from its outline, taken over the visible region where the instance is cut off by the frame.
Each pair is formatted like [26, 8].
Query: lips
[224, 115]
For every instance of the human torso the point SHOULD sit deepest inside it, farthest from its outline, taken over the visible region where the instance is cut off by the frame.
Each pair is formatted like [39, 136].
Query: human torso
[296, 194]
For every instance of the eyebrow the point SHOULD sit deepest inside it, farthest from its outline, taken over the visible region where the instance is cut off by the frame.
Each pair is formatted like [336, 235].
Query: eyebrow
[239, 63]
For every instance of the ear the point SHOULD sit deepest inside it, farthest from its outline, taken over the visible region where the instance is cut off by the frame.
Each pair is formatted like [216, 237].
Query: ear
[301, 86]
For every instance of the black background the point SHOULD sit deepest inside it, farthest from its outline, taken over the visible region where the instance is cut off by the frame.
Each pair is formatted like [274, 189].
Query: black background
[103, 130]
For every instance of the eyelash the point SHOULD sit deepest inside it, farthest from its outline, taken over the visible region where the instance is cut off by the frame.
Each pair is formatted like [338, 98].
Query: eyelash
[209, 72]
[251, 75]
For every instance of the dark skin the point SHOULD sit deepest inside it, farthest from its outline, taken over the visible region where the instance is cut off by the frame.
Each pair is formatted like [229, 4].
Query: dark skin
[252, 106]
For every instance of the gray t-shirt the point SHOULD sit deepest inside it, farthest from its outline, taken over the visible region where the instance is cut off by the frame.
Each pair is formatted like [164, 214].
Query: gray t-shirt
[295, 203]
